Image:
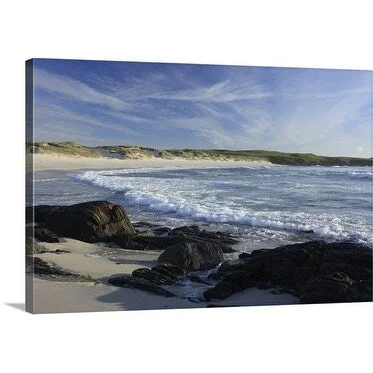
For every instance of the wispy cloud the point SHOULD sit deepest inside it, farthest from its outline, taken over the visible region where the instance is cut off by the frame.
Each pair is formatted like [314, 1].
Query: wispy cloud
[72, 89]
[285, 109]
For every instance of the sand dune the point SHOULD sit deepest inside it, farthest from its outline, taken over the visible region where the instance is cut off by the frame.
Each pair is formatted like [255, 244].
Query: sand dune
[42, 162]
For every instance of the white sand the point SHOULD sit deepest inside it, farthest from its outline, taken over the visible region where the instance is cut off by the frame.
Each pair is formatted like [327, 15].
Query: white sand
[44, 162]
[82, 259]
[54, 296]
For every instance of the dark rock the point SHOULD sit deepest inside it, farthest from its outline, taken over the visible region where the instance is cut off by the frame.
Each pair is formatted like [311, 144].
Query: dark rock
[39, 213]
[317, 271]
[244, 256]
[355, 272]
[61, 251]
[43, 234]
[349, 253]
[261, 253]
[291, 291]
[222, 290]
[90, 221]
[254, 267]
[127, 281]
[279, 270]
[335, 287]
[297, 255]
[361, 291]
[192, 230]
[141, 242]
[192, 256]
[232, 265]
[39, 267]
[169, 270]
[152, 276]
[263, 285]
[216, 276]
[240, 277]
[196, 279]
[224, 240]
[153, 242]
[161, 230]
[303, 274]
[315, 258]
[144, 224]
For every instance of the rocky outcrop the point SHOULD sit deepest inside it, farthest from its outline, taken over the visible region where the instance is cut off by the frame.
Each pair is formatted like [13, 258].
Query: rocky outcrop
[155, 239]
[43, 234]
[128, 281]
[192, 255]
[147, 242]
[195, 233]
[41, 268]
[169, 270]
[222, 290]
[153, 276]
[316, 272]
[334, 287]
[89, 221]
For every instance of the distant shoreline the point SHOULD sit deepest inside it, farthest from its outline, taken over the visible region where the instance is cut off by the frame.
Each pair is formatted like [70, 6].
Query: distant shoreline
[115, 156]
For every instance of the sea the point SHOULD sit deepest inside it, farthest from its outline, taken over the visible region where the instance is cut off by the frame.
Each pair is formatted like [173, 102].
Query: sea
[263, 206]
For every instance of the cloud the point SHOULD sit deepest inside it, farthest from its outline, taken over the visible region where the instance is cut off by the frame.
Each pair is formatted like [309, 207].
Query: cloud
[75, 90]
[303, 110]
[52, 121]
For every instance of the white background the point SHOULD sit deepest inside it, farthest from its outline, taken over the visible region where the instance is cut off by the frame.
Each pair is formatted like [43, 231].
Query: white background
[315, 338]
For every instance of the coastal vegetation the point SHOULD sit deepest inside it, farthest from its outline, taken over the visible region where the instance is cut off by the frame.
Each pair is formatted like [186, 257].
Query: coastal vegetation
[73, 149]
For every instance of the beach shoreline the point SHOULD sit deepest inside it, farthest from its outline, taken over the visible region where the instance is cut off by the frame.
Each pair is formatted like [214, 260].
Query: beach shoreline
[90, 261]
[51, 296]
[49, 162]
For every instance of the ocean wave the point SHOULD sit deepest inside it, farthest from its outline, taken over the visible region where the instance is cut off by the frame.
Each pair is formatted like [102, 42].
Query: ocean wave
[361, 175]
[199, 200]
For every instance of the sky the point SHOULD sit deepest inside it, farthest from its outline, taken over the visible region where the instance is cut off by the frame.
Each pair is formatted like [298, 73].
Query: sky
[321, 111]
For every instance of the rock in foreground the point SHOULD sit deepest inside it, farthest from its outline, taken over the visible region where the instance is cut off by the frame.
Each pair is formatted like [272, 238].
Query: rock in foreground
[192, 255]
[90, 221]
[317, 272]
[139, 283]
[41, 268]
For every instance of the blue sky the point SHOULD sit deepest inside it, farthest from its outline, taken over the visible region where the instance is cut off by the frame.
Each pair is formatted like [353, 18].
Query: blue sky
[198, 106]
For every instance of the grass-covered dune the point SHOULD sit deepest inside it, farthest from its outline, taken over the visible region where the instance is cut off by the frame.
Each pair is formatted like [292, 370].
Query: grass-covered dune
[68, 148]
[73, 149]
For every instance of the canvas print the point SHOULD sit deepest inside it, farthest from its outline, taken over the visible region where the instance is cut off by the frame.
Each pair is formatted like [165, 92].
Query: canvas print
[164, 186]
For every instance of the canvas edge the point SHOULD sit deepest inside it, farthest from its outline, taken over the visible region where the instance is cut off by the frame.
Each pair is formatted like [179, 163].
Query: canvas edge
[29, 168]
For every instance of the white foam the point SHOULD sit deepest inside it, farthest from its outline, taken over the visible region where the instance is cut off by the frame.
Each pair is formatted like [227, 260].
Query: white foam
[200, 200]
[362, 175]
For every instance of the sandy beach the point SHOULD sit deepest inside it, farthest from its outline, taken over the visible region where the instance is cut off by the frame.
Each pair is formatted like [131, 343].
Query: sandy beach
[57, 296]
[43, 162]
